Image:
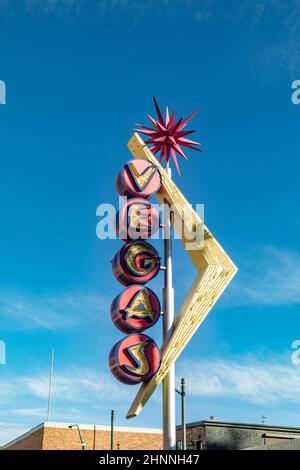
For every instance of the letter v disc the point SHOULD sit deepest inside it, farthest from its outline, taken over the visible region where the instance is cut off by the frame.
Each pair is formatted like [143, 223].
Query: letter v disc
[138, 178]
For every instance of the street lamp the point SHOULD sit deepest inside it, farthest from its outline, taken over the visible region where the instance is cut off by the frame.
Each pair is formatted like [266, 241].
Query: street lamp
[183, 423]
[83, 444]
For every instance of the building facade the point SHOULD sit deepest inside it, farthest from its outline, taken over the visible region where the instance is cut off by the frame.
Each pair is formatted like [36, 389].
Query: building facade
[219, 435]
[201, 435]
[58, 436]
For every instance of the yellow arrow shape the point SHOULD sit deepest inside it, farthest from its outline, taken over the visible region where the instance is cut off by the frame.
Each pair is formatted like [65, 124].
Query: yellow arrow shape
[215, 271]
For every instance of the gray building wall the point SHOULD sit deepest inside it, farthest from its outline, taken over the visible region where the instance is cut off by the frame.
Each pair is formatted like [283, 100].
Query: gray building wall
[216, 435]
[222, 437]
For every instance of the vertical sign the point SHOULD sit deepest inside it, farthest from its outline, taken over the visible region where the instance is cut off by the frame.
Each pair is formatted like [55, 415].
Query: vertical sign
[136, 358]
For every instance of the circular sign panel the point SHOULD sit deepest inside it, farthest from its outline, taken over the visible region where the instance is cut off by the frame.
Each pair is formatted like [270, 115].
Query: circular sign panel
[137, 219]
[138, 178]
[136, 263]
[134, 359]
[135, 309]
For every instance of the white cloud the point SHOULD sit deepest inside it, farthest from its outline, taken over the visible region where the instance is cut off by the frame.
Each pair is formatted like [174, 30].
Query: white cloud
[32, 412]
[72, 384]
[286, 12]
[268, 276]
[277, 54]
[40, 413]
[75, 384]
[28, 417]
[7, 389]
[103, 7]
[28, 311]
[10, 430]
[58, 7]
[83, 394]
[202, 11]
[252, 381]
[79, 394]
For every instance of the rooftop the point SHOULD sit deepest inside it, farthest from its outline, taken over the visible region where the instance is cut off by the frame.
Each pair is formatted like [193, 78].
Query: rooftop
[84, 427]
[229, 424]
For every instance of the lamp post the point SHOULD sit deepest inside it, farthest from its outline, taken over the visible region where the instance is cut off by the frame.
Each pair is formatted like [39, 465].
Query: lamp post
[83, 444]
[183, 420]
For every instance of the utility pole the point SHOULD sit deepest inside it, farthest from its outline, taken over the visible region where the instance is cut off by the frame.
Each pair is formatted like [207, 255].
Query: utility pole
[112, 418]
[169, 410]
[183, 419]
[50, 385]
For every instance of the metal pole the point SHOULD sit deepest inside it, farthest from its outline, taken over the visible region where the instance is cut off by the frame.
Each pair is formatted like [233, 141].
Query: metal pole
[183, 421]
[50, 385]
[112, 430]
[169, 411]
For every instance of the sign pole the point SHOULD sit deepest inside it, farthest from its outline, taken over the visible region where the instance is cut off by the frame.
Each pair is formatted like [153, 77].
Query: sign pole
[169, 411]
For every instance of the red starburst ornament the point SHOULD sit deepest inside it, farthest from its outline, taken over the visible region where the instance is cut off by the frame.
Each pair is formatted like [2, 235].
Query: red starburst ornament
[168, 136]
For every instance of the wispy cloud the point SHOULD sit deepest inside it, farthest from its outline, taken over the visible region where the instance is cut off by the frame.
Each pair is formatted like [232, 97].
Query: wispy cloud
[138, 8]
[75, 384]
[282, 54]
[40, 413]
[27, 311]
[59, 7]
[279, 51]
[204, 10]
[69, 385]
[9, 430]
[81, 394]
[32, 412]
[78, 393]
[267, 276]
[258, 382]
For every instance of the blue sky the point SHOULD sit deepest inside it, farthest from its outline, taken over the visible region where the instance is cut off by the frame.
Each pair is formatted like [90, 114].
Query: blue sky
[79, 75]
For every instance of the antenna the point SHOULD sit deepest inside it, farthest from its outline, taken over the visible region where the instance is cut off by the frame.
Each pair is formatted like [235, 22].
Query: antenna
[263, 419]
[50, 384]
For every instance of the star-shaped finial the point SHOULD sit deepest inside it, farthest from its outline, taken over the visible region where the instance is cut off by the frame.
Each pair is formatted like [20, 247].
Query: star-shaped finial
[168, 136]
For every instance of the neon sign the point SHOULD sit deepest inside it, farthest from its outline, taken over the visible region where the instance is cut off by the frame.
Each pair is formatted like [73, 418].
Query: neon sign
[136, 358]
[138, 178]
[136, 309]
[138, 218]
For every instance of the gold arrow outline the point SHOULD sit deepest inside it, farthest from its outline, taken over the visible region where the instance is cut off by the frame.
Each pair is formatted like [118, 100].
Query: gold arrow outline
[215, 271]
